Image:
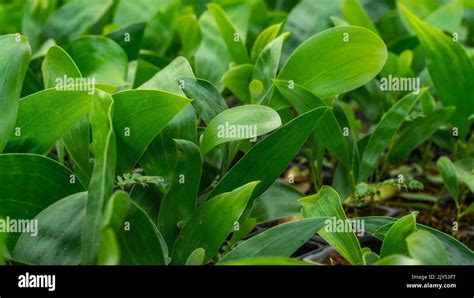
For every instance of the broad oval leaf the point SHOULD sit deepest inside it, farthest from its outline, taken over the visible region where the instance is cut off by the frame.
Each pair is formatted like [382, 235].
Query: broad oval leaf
[14, 58]
[280, 241]
[57, 64]
[426, 248]
[46, 116]
[138, 118]
[336, 60]
[100, 58]
[326, 203]
[394, 241]
[211, 224]
[239, 123]
[58, 241]
[20, 196]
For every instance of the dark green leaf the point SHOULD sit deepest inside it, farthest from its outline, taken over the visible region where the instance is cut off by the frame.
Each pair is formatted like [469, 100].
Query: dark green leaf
[211, 224]
[14, 58]
[280, 241]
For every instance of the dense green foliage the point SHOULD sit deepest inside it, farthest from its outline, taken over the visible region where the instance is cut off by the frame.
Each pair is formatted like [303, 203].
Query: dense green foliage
[170, 132]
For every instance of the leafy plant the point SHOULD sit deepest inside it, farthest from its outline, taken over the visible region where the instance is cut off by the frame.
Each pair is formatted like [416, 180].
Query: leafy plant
[234, 132]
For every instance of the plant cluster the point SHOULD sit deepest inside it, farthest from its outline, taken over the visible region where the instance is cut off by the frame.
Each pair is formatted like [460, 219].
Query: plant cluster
[234, 132]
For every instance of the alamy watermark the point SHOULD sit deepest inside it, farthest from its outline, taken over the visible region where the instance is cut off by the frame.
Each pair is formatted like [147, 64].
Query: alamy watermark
[392, 83]
[237, 131]
[66, 83]
[335, 225]
[11, 225]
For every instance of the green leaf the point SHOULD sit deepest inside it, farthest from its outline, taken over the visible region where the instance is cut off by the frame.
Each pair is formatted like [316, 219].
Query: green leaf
[328, 130]
[59, 236]
[103, 175]
[109, 252]
[138, 118]
[263, 163]
[266, 261]
[56, 65]
[167, 79]
[207, 100]
[180, 202]
[196, 257]
[239, 123]
[418, 132]
[211, 224]
[21, 174]
[14, 58]
[370, 258]
[263, 39]
[129, 38]
[20, 196]
[182, 126]
[450, 69]
[238, 79]
[458, 253]
[244, 229]
[384, 132]
[394, 241]
[232, 38]
[75, 18]
[46, 116]
[189, 33]
[326, 203]
[355, 14]
[267, 64]
[138, 11]
[465, 172]
[35, 15]
[396, 260]
[426, 248]
[160, 30]
[212, 57]
[100, 58]
[280, 241]
[132, 226]
[307, 18]
[448, 172]
[278, 201]
[328, 65]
